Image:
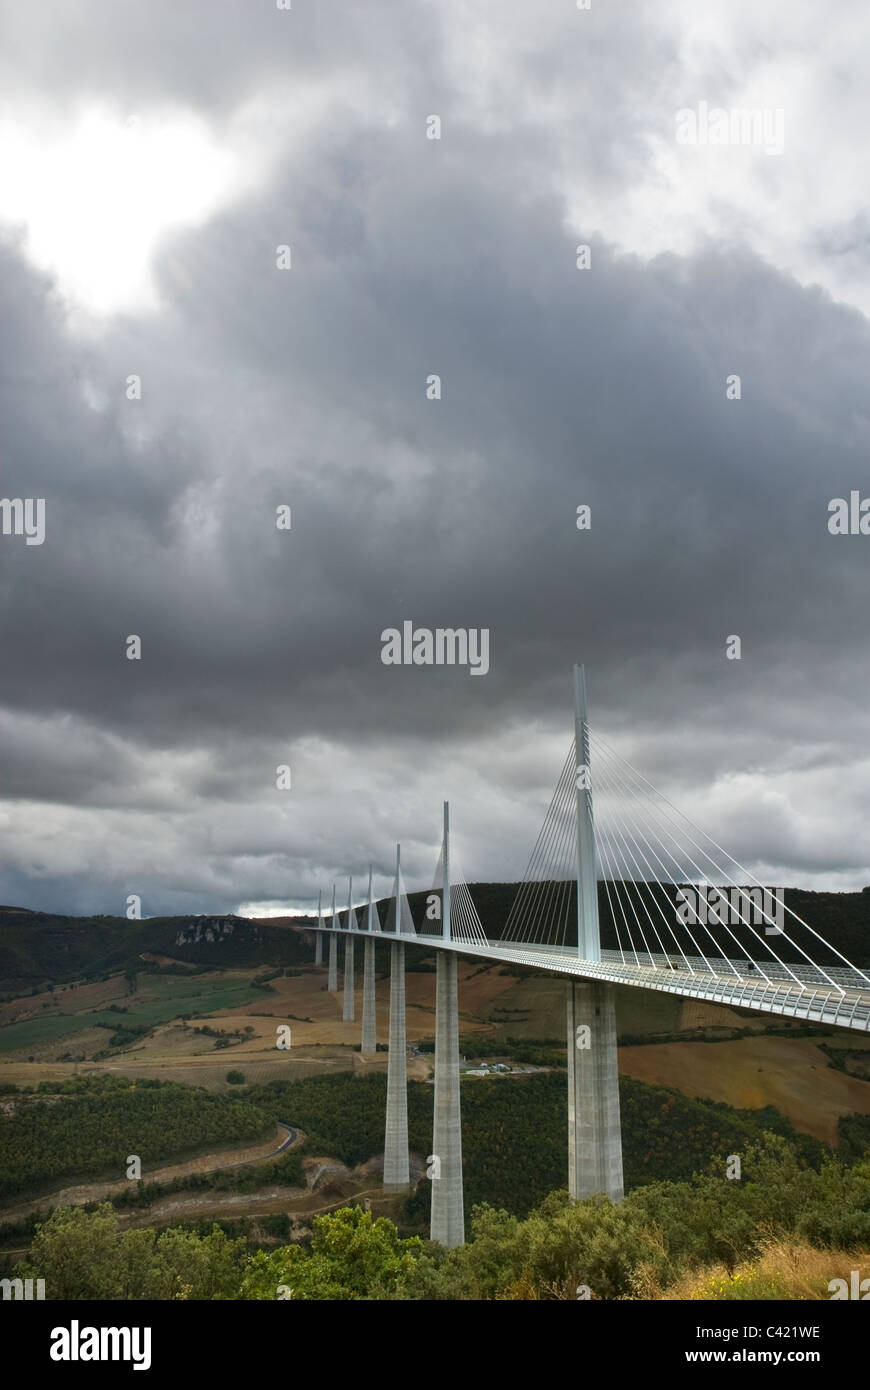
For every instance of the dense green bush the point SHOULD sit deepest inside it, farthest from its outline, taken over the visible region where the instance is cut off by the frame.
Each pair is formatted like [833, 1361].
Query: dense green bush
[659, 1234]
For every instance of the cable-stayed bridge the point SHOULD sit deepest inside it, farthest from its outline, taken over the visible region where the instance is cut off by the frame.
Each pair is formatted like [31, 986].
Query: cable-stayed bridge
[630, 893]
[843, 1005]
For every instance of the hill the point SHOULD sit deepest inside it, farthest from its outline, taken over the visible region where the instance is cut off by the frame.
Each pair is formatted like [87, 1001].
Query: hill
[39, 948]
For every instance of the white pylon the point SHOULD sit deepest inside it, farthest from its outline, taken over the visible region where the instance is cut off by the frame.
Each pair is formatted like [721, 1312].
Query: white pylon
[447, 1222]
[588, 938]
[332, 978]
[348, 1010]
[396, 1164]
[369, 1040]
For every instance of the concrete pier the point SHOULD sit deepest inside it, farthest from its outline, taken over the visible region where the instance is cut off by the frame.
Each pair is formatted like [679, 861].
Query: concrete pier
[447, 1221]
[447, 1224]
[369, 1025]
[594, 1135]
[349, 979]
[396, 1169]
[347, 1011]
[369, 1041]
[332, 977]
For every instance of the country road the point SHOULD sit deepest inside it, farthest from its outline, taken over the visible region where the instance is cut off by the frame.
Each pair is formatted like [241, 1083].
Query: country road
[292, 1136]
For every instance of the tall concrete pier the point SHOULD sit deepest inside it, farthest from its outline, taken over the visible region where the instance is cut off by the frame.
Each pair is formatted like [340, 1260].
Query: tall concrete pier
[318, 940]
[396, 1167]
[369, 1043]
[332, 978]
[594, 1135]
[348, 1010]
[447, 1222]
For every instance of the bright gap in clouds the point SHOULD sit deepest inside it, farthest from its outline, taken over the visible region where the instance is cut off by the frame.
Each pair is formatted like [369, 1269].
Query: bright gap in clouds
[275, 909]
[95, 198]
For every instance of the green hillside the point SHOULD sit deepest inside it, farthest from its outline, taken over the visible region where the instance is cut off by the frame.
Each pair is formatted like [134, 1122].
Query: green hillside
[38, 948]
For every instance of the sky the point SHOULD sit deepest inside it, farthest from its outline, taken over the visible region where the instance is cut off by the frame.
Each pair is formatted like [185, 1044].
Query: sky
[233, 257]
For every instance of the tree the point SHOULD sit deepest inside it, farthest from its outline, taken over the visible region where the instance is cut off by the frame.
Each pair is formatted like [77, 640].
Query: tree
[201, 1267]
[86, 1255]
[353, 1255]
[77, 1254]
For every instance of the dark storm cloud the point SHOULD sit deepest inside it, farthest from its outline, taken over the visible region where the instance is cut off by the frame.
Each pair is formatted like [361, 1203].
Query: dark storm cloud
[307, 387]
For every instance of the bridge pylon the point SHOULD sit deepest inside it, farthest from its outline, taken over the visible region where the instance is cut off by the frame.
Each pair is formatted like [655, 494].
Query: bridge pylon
[447, 1222]
[332, 977]
[348, 1009]
[369, 1041]
[594, 1130]
[397, 1173]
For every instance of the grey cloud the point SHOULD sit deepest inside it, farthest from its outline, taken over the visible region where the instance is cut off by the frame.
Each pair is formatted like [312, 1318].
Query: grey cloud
[307, 387]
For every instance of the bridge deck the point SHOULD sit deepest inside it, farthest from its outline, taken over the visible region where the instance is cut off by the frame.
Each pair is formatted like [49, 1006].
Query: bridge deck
[838, 997]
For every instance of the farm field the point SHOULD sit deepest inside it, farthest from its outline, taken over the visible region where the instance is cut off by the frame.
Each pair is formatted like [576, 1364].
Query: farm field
[48, 1036]
[37, 1030]
[60, 1031]
[750, 1073]
[161, 998]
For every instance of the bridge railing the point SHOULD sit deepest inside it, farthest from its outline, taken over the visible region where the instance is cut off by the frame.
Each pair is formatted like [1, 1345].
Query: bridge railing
[843, 1006]
[807, 997]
